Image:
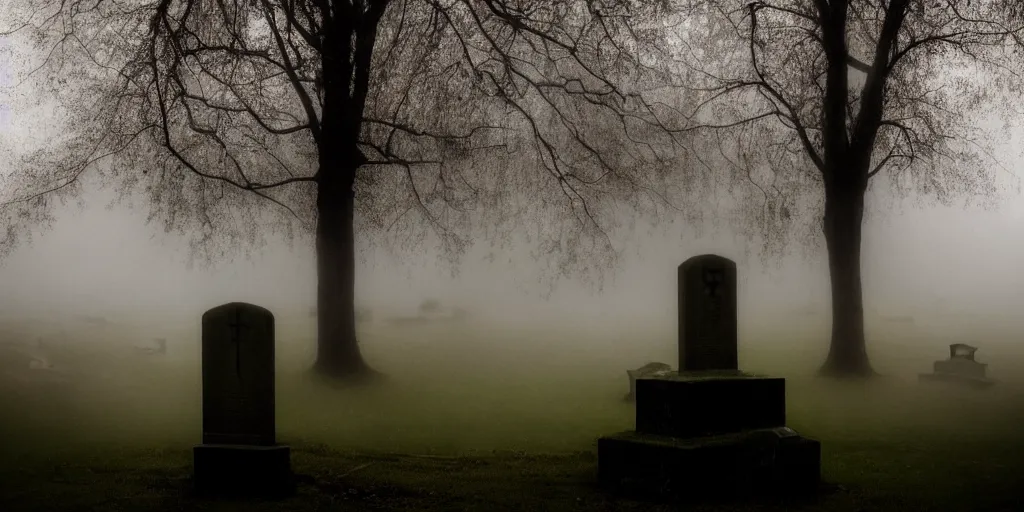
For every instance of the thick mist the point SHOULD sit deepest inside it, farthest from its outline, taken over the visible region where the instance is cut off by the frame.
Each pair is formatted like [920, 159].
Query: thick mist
[533, 366]
[931, 263]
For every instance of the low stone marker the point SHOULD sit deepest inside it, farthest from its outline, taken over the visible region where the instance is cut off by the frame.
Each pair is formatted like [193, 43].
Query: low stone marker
[961, 368]
[643, 371]
[709, 430]
[239, 455]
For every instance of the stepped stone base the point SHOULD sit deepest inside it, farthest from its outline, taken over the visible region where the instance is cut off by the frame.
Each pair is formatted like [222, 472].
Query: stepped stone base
[774, 461]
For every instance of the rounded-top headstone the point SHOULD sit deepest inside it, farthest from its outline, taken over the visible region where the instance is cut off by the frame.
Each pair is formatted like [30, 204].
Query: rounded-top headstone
[707, 314]
[238, 375]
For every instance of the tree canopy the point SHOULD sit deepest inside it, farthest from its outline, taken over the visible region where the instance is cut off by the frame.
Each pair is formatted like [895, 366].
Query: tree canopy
[213, 110]
[911, 86]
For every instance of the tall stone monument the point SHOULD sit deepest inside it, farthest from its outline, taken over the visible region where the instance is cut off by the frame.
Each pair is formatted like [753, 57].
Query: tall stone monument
[239, 455]
[709, 430]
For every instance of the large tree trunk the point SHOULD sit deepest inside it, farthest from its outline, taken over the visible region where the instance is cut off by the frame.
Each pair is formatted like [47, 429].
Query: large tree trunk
[844, 214]
[338, 354]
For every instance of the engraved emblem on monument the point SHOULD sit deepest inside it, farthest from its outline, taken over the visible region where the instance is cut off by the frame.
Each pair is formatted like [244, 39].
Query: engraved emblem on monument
[707, 314]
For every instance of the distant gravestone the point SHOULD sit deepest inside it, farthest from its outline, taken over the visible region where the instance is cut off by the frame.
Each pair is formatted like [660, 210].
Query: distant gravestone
[960, 368]
[707, 314]
[239, 454]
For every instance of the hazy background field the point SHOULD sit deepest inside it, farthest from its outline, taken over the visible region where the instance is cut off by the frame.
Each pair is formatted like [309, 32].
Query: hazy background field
[533, 369]
[473, 388]
[538, 366]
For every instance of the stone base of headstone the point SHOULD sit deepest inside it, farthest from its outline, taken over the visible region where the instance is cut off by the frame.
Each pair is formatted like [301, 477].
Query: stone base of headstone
[968, 381]
[692, 404]
[763, 462]
[243, 471]
[963, 367]
[710, 435]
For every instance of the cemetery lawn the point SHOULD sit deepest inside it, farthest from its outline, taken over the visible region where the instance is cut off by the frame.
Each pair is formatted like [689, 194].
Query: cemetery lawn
[511, 431]
[893, 474]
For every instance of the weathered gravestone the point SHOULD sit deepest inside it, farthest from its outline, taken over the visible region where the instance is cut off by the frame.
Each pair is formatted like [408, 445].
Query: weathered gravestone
[709, 430]
[239, 455]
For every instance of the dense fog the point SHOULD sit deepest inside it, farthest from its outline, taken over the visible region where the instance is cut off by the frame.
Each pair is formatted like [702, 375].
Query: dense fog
[931, 263]
[102, 286]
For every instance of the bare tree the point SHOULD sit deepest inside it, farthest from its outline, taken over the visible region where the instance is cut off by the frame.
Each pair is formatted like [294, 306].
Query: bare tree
[810, 102]
[347, 116]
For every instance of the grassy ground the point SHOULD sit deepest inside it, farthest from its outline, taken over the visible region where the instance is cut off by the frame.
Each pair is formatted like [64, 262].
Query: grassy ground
[484, 420]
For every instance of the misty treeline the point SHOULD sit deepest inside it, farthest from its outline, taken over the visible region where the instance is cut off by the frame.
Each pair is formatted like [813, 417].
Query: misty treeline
[441, 122]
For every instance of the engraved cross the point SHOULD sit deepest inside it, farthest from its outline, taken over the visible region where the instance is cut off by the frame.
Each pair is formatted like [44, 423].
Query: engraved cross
[712, 280]
[236, 338]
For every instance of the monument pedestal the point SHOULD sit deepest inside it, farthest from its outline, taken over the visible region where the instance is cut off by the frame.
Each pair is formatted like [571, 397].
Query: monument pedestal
[718, 434]
[704, 403]
[764, 461]
[230, 470]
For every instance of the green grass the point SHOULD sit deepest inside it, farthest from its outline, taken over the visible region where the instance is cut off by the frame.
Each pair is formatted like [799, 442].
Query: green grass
[480, 420]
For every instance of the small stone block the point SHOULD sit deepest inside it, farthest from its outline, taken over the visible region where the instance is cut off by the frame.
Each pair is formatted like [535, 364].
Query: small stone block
[222, 470]
[695, 404]
[722, 467]
[798, 465]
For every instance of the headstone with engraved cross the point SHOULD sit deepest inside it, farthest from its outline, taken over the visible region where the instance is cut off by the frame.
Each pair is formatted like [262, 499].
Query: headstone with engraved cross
[707, 314]
[238, 375]
[239, 453]
[709, 429]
